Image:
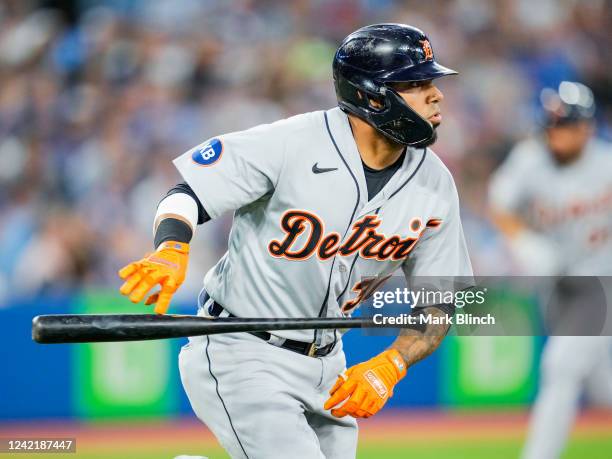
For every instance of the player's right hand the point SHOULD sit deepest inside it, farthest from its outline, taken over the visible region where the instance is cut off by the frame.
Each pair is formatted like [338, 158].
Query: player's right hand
[367, 386]
[166, 266]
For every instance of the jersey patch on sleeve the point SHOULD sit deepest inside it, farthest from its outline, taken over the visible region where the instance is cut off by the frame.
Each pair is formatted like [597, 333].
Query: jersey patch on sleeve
[208, 153]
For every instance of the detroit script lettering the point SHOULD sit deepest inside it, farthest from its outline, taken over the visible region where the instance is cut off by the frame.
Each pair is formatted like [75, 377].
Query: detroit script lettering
[363, 238]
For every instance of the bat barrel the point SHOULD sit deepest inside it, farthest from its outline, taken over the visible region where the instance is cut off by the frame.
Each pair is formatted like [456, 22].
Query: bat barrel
[80, 328]
[87, 328]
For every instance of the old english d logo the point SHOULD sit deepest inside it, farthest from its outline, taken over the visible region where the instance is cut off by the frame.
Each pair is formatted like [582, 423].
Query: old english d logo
[427, 50]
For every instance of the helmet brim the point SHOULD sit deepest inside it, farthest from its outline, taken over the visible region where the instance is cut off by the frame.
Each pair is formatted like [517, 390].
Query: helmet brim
[429, 70]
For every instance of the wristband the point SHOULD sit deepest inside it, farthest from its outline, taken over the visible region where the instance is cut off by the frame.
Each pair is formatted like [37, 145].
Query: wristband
[181, 247]
[173, 230]
[398, 362]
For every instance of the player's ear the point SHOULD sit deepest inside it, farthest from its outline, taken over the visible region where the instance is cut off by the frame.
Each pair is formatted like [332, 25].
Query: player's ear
[373, 102]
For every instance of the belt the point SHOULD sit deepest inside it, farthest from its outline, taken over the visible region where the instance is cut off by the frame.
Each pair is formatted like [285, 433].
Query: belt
[301, 347]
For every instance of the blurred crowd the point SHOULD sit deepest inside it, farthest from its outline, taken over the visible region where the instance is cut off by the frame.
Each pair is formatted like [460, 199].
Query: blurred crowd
[97, 97]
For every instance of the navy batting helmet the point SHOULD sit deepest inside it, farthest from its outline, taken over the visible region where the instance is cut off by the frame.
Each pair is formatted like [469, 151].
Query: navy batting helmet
[570, 103]
[371, 58]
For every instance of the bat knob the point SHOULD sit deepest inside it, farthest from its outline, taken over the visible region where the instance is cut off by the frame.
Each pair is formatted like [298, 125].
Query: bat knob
[38, 330]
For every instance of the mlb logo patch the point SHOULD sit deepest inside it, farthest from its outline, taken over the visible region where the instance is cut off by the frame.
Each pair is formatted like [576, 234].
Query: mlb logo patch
[208, 153]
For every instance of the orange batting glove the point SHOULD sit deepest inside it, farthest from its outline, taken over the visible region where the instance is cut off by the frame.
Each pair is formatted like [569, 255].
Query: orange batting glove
[367, 385]
[167, 267]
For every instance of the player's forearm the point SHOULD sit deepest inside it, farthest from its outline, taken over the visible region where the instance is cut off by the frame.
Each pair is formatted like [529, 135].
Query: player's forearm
[510, 225]
[415, 345]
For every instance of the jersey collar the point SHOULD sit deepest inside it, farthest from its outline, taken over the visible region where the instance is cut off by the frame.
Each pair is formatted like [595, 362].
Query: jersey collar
[342, 134]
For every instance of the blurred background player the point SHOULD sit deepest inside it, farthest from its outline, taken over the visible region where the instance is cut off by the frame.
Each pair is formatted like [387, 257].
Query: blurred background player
[552, 199]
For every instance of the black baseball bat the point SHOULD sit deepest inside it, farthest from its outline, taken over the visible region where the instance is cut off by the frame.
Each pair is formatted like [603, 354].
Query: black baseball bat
[92, 328]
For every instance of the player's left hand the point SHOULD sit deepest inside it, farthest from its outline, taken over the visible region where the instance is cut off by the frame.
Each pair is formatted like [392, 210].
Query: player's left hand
[367, 385]
[165, 267]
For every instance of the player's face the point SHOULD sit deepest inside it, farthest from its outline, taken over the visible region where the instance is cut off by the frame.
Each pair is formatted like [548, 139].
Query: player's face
[566, 142]
[424, 98]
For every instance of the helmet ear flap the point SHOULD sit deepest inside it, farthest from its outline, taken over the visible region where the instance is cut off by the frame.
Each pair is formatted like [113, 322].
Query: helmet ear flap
[401, 123]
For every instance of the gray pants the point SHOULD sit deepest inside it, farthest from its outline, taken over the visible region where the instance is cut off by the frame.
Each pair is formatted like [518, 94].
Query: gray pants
[262, 401]
[570, 364]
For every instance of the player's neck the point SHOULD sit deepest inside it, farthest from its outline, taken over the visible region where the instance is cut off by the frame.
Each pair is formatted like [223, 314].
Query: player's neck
[376, 150]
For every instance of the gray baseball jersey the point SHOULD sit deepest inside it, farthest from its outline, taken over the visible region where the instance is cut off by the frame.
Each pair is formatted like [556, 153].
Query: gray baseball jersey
[569, 204]
[304, 235]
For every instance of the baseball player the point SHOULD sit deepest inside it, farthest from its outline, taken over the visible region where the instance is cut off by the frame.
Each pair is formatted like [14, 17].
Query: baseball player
[552, 198]
[325, 205]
